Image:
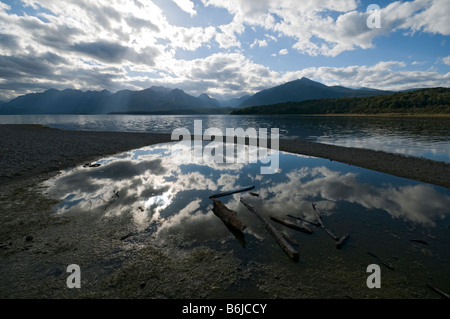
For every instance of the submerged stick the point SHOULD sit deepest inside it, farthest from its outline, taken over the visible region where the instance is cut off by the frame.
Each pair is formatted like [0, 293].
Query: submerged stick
[443, 294]
[287, 223]
[339, 241]
[319, 219]
[288, 249]
[304, 220]
[419, 241]
[342, 241]
[244, 189]
[289, 239]
[381, 260]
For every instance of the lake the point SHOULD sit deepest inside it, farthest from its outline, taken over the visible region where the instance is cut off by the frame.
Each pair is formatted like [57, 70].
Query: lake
[421, 137]
[395, 223]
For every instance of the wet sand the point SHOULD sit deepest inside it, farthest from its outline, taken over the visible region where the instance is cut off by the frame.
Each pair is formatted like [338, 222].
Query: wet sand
[37, 245]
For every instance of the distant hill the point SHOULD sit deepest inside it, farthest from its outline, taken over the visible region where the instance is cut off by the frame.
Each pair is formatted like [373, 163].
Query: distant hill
[154, 99]
[208, 99]
[423, 101]
[56, 102]
[303, 90]
[235, 102]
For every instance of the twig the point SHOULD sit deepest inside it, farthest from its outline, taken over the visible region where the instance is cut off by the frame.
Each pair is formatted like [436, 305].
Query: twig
[342, 241]
[339, 241]
[443, 294]
[322, 224]
[420, 241]
[381, 260]
[109, 204]
[304, 220]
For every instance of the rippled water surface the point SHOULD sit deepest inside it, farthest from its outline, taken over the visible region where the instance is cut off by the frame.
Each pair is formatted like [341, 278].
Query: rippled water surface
[422, 137]
[403, 222]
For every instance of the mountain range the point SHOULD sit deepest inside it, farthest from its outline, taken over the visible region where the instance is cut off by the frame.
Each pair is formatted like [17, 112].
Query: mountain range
[102, 102]
[160, 100]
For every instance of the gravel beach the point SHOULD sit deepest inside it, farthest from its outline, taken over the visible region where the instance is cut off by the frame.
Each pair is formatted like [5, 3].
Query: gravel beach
[37, 245]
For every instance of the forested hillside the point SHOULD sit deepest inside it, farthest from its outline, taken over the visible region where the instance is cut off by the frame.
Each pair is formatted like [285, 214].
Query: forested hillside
[423, 101]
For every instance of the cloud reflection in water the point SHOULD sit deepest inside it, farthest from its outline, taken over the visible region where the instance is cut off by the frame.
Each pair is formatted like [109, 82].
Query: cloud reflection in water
[149, 185]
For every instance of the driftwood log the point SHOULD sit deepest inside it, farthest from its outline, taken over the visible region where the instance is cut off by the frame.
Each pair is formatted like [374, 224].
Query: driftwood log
[288, 249]
[228, 216]
[292, 225]
[244, 189]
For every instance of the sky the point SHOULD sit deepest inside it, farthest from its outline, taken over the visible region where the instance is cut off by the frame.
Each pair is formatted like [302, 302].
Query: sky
[225, 48]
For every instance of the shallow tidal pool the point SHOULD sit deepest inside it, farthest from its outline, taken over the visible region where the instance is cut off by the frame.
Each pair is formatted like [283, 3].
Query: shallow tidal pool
[398, 224]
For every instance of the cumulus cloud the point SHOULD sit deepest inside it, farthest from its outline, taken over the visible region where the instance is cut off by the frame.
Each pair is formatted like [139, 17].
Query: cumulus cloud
[388, 75]
[131, 44]
[446, 60]
[257, 43]
[318, 32]
[186, 5]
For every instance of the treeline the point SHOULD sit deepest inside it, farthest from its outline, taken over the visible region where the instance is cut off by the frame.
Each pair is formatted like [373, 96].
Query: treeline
[422, 101]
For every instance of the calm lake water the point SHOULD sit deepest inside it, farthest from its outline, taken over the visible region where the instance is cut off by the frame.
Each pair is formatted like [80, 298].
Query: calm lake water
[168, 206]
[422, 137]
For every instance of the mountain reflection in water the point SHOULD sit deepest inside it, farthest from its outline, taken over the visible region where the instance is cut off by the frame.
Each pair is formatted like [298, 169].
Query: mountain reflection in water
[171, 199]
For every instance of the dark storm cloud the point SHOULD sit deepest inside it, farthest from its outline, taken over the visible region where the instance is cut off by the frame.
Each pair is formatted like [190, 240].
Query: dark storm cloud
[8, 41]
[41, 66]
[105, 16]
[13, 67]
[104, 51]
[138, 24]
[110, 52]
[59, 36]
[36, 73]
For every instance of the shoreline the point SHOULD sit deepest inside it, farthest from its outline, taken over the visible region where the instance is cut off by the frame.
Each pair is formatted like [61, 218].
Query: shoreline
[32, 150]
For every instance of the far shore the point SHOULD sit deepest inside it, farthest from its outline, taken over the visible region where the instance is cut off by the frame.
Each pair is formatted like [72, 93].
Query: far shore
[378, 115]
[31, 150]
[402, 115]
